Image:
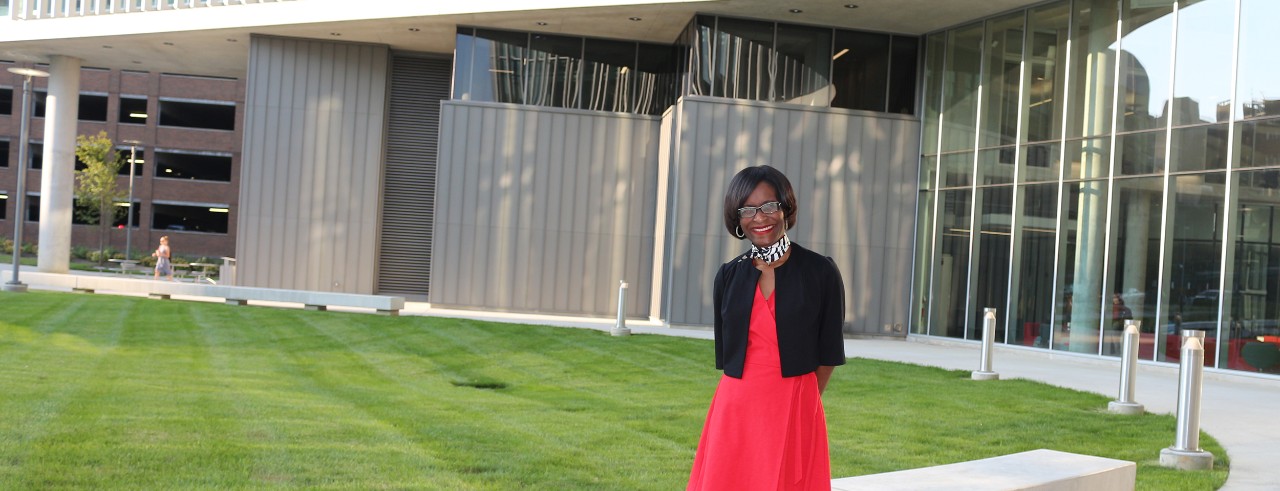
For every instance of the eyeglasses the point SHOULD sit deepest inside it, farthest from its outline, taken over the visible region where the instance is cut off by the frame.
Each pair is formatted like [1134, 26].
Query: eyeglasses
[768, 209]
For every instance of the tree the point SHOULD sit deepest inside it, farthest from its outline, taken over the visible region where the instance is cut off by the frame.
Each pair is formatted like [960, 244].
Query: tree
[96, 189]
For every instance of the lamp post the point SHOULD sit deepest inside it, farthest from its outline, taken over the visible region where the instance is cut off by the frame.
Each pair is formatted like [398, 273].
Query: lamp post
[23, 135]
[128, 230]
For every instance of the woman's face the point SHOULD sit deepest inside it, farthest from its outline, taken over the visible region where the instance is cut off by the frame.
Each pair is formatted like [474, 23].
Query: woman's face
[763, 229]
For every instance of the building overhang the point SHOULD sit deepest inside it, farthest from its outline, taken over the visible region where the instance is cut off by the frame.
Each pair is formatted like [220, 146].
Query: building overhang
[215, 40]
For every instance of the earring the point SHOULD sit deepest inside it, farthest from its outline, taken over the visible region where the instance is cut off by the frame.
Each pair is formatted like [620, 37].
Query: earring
[738, 231]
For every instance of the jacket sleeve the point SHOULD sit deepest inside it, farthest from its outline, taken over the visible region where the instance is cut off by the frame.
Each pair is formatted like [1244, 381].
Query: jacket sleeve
[831, 332]
[717, 299]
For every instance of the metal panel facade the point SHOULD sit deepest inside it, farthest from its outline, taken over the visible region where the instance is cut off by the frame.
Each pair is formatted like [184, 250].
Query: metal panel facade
[544, 210]
[854, 176]
[311, 168]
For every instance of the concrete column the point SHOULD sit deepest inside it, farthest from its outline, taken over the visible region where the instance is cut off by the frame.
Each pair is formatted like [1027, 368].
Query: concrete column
[57, 175]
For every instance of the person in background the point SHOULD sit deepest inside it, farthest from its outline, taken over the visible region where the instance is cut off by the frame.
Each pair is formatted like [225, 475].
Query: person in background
[162, 255]
[779, 316]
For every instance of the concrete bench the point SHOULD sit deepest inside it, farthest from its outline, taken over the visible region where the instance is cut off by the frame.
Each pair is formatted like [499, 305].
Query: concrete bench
[1039, 470]
[235, 295]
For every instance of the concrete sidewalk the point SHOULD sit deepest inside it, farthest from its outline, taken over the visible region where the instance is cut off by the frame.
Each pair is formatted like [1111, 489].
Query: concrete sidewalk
[1238, 409]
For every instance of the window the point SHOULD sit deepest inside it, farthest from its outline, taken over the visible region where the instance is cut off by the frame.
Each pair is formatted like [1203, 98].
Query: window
[36, 154]
[93, 107]
[133, 110]
[140, 156]
[83, 215]
[33, 207]
[203, 166]
[563, 71]
[210, 218]
[199, 115]
[861, 63]
[4, 205]
[4, 153]
[6, 101]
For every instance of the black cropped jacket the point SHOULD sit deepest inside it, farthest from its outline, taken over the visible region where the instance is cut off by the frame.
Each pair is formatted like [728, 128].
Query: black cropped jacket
[809, 308]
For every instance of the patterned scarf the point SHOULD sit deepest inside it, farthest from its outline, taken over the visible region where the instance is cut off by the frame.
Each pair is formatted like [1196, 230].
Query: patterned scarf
[773, 252]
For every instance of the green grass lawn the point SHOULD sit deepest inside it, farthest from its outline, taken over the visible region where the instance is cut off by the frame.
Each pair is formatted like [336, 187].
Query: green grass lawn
[104, 392]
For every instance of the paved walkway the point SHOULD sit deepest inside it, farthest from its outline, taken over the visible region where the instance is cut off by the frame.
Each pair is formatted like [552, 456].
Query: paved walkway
[1241, 411]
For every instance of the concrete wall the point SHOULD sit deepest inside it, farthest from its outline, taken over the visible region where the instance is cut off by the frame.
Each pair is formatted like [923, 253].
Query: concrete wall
[543, 209]
[311, 167]
[854, 175]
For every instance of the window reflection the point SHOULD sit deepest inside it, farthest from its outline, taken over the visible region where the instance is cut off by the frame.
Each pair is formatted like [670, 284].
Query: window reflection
[1046, 70]
[996, 165]
[1140, 153]
[744, 55]
[1081, 251]
[1043, 162]
[1195, 263]
[1258, 82]
[1004, 67]
[991, 290]
[902, 75]
[952, 274]
[1031, 294]
[1255, 275]
[1092, 68]
[861, 64]
[552, 70]
[803, 66]
[1134, 270]
[1202, 84]
[1199, 148]
[1259, 143]
[933, 80]
[1144, 64]
[960, 103]
[563, 71]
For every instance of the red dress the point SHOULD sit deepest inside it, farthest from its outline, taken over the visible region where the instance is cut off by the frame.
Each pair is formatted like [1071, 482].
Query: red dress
[763, 431]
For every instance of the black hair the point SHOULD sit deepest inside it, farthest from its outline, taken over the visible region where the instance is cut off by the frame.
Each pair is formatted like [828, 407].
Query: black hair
[745, 182]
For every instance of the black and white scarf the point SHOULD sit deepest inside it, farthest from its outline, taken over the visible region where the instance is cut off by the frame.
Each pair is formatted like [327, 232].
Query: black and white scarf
[771, 253]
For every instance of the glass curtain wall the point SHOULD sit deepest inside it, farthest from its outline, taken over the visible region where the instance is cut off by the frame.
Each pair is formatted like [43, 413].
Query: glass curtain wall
[813, 66]
[563, 71]
[1118, 161]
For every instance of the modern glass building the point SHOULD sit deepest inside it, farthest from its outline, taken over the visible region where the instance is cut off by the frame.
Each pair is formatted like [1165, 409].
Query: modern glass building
[1074, 164]
[1085, 162]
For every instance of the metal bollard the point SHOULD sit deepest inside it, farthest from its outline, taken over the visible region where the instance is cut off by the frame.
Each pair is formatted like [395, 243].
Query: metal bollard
[620, 327]
[1128, 371]
[988, 345]
[1186, 454]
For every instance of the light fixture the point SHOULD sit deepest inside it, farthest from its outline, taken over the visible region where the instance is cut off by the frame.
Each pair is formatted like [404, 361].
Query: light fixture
[841, 53]
[634, 19]
[796, 11]
[335, 34]
[24, 133]
[540, 23]
[168, 171]
[219, 210]
[850, 6]
[167, 43]
[106, 46]
[414, 29]
[138, 115]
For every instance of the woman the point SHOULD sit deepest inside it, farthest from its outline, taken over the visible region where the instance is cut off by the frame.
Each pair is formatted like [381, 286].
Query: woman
[163, 266]
[779, 312]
